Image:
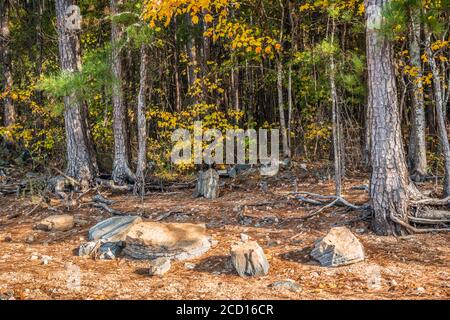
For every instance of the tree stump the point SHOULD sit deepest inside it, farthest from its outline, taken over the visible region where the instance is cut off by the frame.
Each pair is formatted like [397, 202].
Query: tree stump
[249, 260]
[207, 184]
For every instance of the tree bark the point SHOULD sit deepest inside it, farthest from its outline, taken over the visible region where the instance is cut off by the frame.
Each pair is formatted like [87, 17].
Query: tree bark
[336, 121]
[284, 137]
[9, 114]
[139, 188]
[418, 151]
[389, 180]
[440, 114]
[81, 159]
[121, 167]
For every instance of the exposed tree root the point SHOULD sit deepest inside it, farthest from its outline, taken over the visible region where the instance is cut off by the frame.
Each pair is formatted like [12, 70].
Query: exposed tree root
[318, 200]
[427, 217]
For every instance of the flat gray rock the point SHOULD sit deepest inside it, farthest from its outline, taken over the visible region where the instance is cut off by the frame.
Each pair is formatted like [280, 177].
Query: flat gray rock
[113, 229]
[179, 241]
[249, 260]
[338, 248]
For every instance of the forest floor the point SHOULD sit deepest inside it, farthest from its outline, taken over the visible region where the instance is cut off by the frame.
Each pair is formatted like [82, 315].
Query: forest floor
[412, 267]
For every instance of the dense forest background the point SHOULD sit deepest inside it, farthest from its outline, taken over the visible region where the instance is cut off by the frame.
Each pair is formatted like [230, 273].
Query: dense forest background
[103, 100]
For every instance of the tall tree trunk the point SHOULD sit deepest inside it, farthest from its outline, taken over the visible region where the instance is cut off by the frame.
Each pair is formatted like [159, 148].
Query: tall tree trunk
[418, 151]
[139, 188]
[9, 114]
[389, 180]
[290, 107]
[284, 137]
[193, 61]
[121, 167]
[336, 121]
[178, 84]
[81, 160]
[440, 114]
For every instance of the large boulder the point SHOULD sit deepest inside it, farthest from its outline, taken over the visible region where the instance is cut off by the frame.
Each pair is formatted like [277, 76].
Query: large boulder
[207, 184]
[57, 223]
[249, 260]
[113, 229]
[339, 247]
[179, 241]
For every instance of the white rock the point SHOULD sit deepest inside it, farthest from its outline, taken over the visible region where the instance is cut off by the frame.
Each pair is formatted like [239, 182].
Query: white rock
[159, 267]
[339, 247]
[244, 237]
[190, 266]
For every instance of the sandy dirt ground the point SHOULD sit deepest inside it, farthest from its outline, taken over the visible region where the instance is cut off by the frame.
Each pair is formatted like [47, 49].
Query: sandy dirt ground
[413, 267]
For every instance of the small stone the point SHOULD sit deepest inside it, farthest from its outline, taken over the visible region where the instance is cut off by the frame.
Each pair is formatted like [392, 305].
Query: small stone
[289, 284]
[29, 239]
[360, 231]
[190, 266]
[88, 248]
[81, 222]
[57, 223]
[8, 238]
[159, 267]
[110, 250]
[45, 260]
[339, 247]
[214, 243]
[244, 237]
[249, 260]
[421, 290]
[34, 256]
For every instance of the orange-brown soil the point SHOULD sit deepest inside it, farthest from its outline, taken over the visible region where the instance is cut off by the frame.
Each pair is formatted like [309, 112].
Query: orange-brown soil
[413, 267]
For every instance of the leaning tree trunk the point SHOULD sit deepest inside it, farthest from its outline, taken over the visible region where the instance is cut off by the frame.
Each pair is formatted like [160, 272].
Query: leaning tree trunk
[81, 160]
[9, 115]
[389, 180]
[417, 146]
[440, 113]
[121, 167]
[139, 187]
